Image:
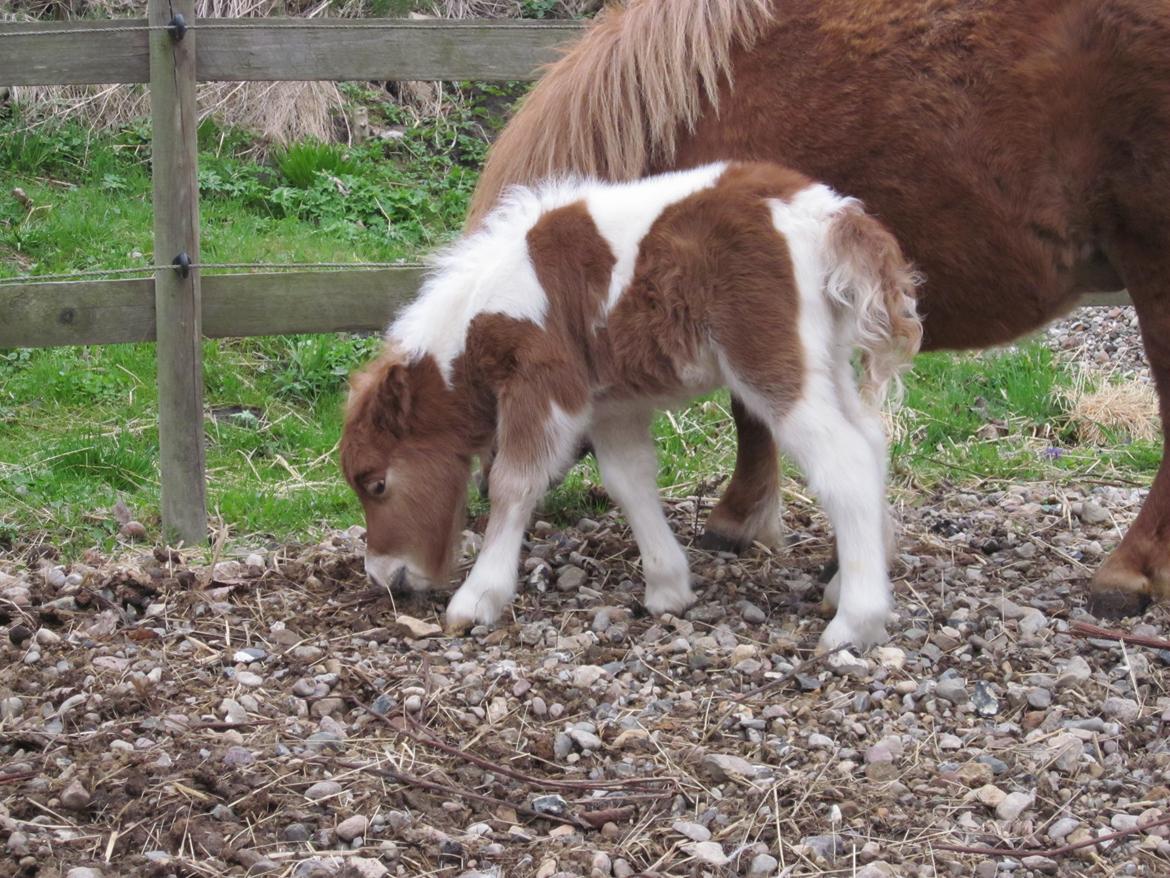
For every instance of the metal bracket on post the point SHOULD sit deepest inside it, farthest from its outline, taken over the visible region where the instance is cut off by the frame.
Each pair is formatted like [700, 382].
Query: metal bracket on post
[183, 263]
[177, 27]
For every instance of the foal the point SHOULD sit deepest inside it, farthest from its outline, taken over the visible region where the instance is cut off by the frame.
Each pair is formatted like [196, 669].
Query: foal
[580, 307]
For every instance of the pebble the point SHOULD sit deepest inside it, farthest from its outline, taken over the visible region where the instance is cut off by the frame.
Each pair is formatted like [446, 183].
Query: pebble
[986, 704]
[1013, 805]
[550, 805]
[693, 831]
[75, 796]
[1075, 672]
[1125, 710]
[585, 740]
[351, 828]
[322, 790]
[571, 578]
[709, 852]
[1061, 828]
[952, 688]
[83, 872]
[248, 679]
[296, 833]
[751, 614]
[762, 866]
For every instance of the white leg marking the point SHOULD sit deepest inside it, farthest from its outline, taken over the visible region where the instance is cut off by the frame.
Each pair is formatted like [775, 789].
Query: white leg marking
[629, 467]
[516, 487]
[844, 472]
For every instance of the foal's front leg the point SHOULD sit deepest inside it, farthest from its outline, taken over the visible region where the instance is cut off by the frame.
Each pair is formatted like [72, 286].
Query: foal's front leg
[629, 467]
[532, 450]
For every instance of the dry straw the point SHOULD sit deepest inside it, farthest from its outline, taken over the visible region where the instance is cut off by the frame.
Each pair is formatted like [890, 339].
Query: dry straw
[279, 112]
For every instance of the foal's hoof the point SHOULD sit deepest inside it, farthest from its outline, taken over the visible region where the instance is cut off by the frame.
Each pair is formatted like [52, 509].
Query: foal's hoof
[827, 573]
[713, 541]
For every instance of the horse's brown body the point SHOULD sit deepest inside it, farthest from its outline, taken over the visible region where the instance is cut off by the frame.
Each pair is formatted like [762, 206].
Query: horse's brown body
[1019, 149]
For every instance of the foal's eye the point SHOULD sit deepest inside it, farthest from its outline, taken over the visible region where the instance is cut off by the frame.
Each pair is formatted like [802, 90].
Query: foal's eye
[376, 488]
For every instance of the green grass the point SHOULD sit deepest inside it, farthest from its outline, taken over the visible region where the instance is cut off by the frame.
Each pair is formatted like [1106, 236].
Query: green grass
[78, 426]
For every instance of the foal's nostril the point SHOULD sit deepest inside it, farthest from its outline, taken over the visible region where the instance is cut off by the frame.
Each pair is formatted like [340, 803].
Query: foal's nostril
[397, 580]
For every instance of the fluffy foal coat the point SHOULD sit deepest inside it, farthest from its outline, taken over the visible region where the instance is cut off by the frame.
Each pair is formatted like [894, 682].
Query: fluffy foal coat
[579, 308]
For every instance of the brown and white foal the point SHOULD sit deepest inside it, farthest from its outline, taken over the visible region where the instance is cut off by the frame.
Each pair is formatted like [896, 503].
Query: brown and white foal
[580, 307]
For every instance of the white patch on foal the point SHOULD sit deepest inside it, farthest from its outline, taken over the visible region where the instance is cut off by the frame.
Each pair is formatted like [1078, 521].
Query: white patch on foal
[624, 213]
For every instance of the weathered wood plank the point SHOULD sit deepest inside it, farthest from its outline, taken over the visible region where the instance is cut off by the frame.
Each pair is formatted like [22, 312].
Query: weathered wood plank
[177, 306]
[290, 49]
[45, 315]
[266, 49]
[234, 306]
[243, 305]
[55, 53]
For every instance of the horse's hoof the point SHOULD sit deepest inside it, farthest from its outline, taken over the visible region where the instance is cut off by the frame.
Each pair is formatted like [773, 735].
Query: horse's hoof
[713, 541]
[1115, 604]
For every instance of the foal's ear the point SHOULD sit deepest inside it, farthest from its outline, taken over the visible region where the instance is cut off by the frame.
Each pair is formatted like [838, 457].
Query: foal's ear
[383, 393]
[393, 399]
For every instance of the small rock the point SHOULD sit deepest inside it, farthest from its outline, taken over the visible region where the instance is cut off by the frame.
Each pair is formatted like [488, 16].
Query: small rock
[585, 740]
[297, 832]
[975, 774]
[83, 872]
[1094, 513]
[550, 805]
[986, 704]
[237, 757]
[825, 846]
[721, 767]
[323, 790]
[571, 578]
[75, 796]
[1013, 805]
[586, 675]
[562, 746]
[751, 614]
[1039, 698]
[952, 688]
[1061, 828]
[694, 831]
[762, 866]
[709, 852]
[1074, 673]
[351, 828]
[1124, 710]
[250, 680]
[990, 795]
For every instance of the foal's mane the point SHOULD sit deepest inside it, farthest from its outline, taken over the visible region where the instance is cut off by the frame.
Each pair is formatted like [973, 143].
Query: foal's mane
[617, 99]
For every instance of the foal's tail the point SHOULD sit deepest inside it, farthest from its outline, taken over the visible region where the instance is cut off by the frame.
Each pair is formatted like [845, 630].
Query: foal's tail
[875, 282]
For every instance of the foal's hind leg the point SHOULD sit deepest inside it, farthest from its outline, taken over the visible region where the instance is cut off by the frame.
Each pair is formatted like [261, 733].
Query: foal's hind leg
[869, 422]
[843, 470]
[629, 466]
[749, 510]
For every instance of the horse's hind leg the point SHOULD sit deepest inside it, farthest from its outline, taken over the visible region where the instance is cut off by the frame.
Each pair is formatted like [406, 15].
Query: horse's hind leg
[629, 467]
[1138, 570]
[749, 510]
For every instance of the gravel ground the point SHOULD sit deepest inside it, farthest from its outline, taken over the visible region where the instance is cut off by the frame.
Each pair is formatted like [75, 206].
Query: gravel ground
[270, 714]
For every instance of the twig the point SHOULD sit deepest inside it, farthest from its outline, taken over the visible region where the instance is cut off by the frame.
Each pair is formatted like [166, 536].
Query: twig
[460, 793]
[1085, 629]
[488, 765]
[1052, 853]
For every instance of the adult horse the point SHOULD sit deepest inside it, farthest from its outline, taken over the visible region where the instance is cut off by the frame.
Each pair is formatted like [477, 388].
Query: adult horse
[1019, 150]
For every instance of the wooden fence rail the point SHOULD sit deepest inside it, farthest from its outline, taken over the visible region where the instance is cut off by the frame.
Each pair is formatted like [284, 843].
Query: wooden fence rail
[177, 308]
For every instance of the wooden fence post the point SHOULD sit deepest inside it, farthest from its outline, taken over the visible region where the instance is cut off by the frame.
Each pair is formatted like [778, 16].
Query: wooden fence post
[178, 305]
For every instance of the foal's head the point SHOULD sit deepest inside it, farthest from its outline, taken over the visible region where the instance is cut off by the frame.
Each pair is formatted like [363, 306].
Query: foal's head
[406, 450]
